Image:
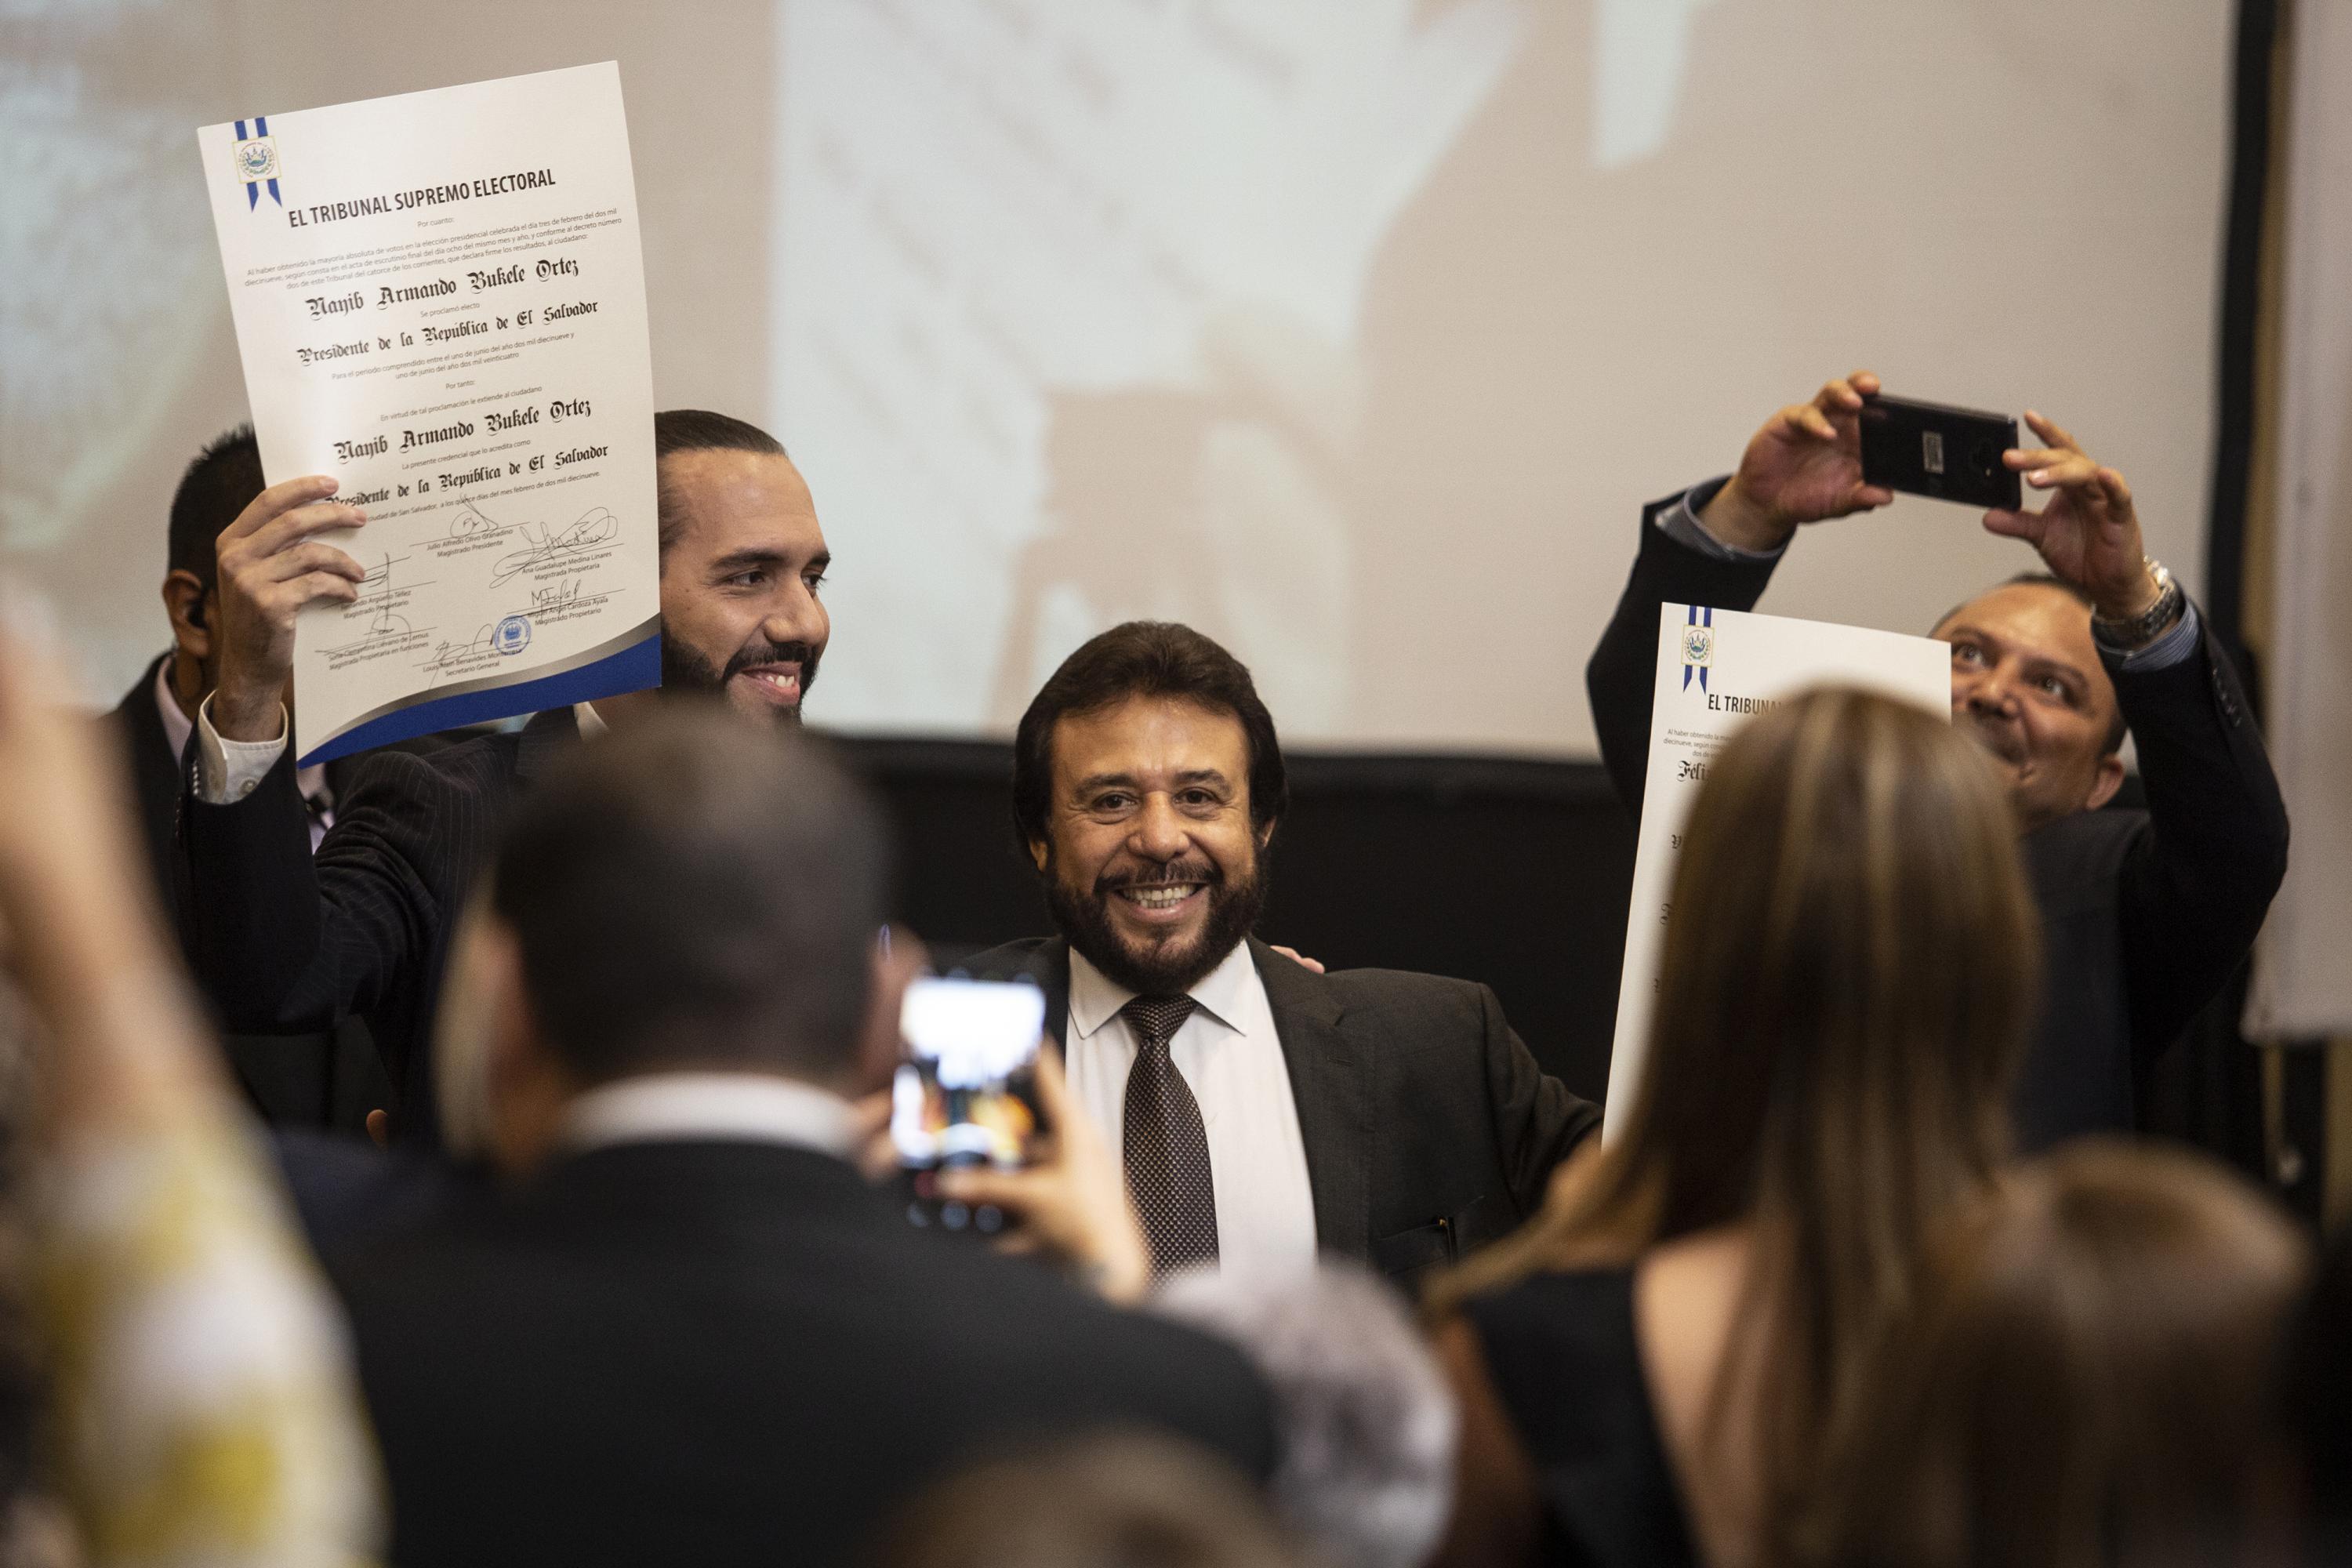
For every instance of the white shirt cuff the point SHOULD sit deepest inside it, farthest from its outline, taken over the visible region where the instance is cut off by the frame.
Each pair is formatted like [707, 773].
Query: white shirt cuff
[228, 769]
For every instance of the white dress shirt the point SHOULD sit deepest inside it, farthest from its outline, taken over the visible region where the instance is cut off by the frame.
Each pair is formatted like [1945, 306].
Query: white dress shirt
[693, 1106]
[1231, 1057]
[311, 781]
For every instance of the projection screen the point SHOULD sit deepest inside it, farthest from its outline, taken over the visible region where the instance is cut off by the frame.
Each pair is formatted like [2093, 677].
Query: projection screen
[1353, 331]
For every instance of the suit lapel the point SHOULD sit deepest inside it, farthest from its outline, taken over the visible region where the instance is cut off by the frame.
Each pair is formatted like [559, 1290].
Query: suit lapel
[159, 770]
[1329, 1083]
[1048, 963]
[154, 771]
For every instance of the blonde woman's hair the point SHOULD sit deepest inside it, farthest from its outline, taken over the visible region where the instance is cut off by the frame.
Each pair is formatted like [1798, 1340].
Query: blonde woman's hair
[1851, 963]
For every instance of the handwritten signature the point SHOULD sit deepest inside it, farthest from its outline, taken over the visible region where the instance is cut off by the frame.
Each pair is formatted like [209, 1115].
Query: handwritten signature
[383, 622]
[470, 520]
[595, 527]
[448, 655]
[564, 593]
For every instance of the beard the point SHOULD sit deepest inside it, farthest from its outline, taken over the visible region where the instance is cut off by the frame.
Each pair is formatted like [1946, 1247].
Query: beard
[683, 669]
[1172, 966]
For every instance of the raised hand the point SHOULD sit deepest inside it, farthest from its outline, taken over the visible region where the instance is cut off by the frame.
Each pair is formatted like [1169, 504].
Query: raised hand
[2088, 534]
[1804, 466]
[271, 566]
[1072, 1205]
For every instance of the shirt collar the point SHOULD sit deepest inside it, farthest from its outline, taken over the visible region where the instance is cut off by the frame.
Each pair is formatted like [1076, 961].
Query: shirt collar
[680, 1107]
[176, 727]
[1096, 998]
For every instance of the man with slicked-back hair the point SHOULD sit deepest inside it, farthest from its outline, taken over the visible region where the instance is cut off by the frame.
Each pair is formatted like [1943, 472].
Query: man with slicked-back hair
[283, 942]
[1264, 1112]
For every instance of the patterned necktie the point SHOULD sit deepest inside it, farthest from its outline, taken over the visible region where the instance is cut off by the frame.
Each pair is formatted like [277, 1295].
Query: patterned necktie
[1167, 1148]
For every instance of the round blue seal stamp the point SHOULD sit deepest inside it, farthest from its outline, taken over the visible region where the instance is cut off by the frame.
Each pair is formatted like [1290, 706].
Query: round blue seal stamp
[513, 634]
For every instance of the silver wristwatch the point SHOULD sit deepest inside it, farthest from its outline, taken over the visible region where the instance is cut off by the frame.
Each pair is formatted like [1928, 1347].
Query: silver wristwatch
[2140, 630]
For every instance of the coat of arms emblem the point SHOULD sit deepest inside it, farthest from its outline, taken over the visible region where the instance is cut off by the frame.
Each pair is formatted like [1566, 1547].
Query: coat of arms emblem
[257, 159]
[1698, 646]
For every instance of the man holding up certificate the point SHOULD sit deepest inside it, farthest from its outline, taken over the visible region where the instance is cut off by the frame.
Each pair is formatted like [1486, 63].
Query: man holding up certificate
[2146, 913]
[440, 305]
[284, 941]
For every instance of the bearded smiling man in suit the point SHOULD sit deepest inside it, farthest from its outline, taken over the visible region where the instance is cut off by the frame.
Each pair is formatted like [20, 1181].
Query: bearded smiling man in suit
[1263, 1111]
[280, 938]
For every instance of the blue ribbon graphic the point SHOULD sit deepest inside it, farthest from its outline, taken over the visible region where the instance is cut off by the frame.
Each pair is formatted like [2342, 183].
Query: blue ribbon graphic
[1698, 617]
[253, 188]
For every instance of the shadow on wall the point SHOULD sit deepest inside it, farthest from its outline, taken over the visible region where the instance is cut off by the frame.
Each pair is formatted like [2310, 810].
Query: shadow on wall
[1232, 496]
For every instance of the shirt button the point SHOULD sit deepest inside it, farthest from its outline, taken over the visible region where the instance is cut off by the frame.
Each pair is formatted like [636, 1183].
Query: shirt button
[246, 788]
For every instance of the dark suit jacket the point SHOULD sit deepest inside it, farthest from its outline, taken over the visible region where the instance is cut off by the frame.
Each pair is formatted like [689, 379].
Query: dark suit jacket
[154, 775]
[731, 1352]
[1429, 1128]
[347, 1191]
[2145, 914]
[284, 940]
[291, 1077]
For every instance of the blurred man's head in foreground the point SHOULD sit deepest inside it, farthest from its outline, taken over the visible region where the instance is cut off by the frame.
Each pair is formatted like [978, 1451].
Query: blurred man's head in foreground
[686, 894]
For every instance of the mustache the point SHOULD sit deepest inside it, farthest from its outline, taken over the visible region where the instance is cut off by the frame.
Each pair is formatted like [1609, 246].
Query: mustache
[1191, 868]
[766, 652]
[1996, 735]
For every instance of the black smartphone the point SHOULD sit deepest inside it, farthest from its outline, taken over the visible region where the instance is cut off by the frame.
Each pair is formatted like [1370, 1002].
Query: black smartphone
[966, 1093]
[1930, 449]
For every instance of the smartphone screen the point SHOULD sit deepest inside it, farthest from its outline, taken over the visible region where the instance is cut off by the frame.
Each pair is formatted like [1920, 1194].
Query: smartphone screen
[966, 1093]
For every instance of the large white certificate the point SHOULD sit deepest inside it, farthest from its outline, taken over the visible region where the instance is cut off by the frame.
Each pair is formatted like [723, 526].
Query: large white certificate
[1716, 669]
[440, 300]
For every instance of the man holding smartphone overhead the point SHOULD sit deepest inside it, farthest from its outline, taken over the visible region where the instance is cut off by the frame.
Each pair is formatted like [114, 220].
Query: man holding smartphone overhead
[2146, 912]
